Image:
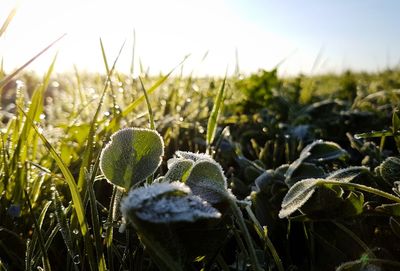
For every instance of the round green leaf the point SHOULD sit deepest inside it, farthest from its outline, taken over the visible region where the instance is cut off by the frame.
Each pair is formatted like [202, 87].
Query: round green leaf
[131, 156]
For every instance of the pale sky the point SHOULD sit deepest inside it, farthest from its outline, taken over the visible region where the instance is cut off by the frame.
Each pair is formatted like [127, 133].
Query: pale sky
[347, 34]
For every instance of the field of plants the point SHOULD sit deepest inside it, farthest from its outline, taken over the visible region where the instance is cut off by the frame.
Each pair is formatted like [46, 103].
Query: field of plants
[255, 172]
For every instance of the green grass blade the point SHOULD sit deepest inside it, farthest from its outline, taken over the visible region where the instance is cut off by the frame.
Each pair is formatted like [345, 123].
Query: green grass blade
[6, 80]
[28, 256]
[79, 86]
[30, 244]
[88, 153]
[62, 222]
[216, 111]
[49, 240]
[26, 138]
[87, 156]
[151, 116]
[103, 52]
[97, 230]
[132, 68]
[45, 258]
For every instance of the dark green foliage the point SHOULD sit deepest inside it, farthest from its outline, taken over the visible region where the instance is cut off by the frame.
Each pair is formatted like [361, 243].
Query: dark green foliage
[258, 89]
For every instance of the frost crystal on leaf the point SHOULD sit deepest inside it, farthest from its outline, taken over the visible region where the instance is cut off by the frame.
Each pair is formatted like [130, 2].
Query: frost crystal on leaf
[207, 180]
[297, 196]
[193, 156]
[178, 169]
[166, 203]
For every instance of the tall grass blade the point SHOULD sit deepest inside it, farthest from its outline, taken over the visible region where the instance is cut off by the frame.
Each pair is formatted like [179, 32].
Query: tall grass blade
[62, 222]
[132, 68]
[7, 21]
[30, 245]
[6, 80]
[27, 137]
[97, 230]
[103, 53]
[215, 112]
[79, 86]
[151, 116]
[45, 258]
[28, 253]
[87, 155]
[49, 240]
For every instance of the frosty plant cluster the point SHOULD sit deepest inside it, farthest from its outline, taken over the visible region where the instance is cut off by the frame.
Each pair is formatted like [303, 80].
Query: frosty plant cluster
[179, 216]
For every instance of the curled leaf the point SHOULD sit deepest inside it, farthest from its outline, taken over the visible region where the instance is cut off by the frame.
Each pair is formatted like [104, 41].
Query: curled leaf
[178, 169]
[206, 179]
[131, 156]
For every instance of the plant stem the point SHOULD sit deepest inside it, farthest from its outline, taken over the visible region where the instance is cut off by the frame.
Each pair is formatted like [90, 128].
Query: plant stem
[252, 253]
[364, 188]
[262, 232]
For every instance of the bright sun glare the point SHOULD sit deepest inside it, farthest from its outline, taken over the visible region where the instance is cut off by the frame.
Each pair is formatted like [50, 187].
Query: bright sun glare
[166, 31]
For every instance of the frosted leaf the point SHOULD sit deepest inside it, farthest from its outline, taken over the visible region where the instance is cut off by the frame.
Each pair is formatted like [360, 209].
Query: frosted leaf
[193, 156]
[131, 156]
[178, 169]
[304, 171]
[166, 203]
[322, 151]
[390, 169]
[138, 196]
[207, 180]
[297, 196]
[317, 152]
[347, 174]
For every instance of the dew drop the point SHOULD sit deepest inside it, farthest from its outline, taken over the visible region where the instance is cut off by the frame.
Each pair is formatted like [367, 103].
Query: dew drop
[76, 259]
[75, 231]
